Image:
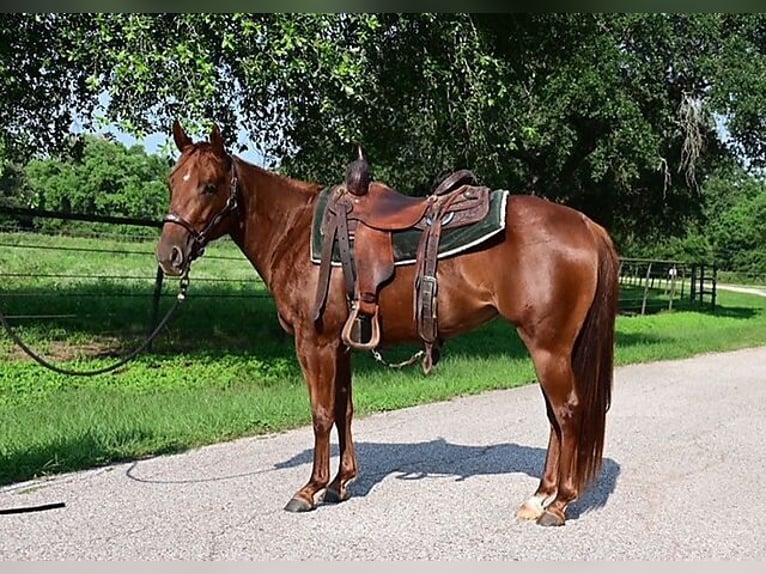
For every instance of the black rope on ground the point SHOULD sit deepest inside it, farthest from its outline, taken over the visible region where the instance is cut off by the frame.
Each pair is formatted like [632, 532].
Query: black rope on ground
[40, 360]
[39, 508]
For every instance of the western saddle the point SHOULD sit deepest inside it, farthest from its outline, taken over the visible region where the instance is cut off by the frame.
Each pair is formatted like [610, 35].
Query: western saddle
[370, 212]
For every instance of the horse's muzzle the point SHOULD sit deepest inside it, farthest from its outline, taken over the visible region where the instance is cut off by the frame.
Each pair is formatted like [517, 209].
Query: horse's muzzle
[172, 258]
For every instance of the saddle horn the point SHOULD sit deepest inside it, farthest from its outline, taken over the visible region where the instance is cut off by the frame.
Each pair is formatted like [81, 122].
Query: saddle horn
[360, 152]
[358, 176]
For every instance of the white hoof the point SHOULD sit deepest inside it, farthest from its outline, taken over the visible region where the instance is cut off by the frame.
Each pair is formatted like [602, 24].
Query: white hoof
[534, 507]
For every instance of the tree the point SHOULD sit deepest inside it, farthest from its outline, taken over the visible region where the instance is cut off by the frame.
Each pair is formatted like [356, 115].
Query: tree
[43, 83]
[108, 179]
[611, 113]
[14, 192]
[735, 210]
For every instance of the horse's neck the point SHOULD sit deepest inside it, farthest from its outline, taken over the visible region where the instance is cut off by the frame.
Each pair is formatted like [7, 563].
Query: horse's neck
[277, 214]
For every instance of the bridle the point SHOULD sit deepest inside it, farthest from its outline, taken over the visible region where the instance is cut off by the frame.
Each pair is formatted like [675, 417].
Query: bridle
[201, 238]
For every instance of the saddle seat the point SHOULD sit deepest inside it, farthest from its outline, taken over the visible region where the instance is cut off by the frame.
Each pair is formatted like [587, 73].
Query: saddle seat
[389, 210]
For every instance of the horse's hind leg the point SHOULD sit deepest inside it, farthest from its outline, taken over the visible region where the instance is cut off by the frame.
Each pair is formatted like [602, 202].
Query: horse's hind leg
[534, 507]
[344, 411]
[556, 376]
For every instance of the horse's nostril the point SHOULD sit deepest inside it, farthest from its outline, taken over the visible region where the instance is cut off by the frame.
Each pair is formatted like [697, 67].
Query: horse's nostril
[176, 257]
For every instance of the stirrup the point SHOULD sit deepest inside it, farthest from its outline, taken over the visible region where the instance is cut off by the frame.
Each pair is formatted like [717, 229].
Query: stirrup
[354, 330]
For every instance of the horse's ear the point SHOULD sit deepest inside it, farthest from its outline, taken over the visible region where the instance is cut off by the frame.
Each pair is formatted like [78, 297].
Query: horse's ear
[216, 140]
[179, 136]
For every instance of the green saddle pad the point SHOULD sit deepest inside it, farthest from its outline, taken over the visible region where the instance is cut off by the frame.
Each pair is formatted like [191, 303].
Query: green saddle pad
[452, 241]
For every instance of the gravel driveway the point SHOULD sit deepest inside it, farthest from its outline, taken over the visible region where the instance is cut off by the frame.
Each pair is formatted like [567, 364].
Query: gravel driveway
[683, 478]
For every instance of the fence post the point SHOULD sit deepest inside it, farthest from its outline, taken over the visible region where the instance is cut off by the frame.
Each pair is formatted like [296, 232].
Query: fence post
[702, 283]
[693, 284]
[155, 303]
[646, 287]
[715, 285]
[683, 281]
[673, 273]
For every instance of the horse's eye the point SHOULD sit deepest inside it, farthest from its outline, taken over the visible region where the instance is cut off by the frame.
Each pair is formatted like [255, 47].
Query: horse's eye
[209, 188]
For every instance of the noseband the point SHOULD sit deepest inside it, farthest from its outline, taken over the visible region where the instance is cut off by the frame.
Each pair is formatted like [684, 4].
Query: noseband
[200, 238]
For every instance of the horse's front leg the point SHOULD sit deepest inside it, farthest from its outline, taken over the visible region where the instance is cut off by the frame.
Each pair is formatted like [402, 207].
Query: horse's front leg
[344, 411]
[318, 362]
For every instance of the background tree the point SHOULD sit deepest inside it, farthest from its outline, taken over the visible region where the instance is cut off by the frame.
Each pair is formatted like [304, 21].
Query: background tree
[611, 113]
[14, 192]
[107, 179]
[735, 211]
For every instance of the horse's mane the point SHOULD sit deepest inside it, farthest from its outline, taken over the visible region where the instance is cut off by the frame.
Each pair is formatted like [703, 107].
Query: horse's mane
[304, 187]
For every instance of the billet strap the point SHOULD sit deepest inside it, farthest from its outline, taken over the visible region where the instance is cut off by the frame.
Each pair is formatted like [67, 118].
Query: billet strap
[426, 285]
[323, 283]
[335, 228]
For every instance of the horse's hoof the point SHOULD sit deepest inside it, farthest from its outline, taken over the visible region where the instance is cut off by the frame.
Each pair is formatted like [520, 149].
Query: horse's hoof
[298, 505]
[534, 506]
[334, 497]
[549, 518]
[530, 510]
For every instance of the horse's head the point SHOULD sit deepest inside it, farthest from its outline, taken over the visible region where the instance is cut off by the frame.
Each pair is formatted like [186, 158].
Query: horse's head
[203, 200]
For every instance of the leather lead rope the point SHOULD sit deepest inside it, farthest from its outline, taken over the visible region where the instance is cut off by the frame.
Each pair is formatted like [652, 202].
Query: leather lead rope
[133, 354]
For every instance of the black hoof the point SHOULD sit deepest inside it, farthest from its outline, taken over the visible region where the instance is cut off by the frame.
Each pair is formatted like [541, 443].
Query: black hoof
[298, 505]
[550, 519]
[333, 497]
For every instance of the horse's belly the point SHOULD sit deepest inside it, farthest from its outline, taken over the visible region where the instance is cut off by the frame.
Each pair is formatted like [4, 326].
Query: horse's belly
[461, 306]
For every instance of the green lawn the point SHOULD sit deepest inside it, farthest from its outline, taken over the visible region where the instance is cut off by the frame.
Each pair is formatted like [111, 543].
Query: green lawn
[224, 368]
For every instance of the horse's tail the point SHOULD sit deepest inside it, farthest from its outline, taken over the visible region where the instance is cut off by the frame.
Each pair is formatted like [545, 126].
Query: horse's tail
[593, 362]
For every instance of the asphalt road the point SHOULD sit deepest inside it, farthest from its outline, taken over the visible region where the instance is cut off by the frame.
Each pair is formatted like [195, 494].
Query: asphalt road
[751, 289]
[683, 478]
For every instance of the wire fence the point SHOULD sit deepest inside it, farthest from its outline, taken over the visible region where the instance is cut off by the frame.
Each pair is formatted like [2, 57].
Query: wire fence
[44, 276]
[653, 285]
[99, 284]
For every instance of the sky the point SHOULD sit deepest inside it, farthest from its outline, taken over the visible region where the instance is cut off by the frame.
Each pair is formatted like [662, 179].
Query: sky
[153, 143]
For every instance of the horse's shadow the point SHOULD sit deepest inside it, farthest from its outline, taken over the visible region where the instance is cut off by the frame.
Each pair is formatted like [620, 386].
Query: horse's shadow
[416, 461]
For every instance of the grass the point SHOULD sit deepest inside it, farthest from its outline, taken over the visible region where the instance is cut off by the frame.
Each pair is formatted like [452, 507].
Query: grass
[224, 369]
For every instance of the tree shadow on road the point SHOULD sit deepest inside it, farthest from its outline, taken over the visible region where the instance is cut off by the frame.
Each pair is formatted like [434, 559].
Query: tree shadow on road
[417, 461]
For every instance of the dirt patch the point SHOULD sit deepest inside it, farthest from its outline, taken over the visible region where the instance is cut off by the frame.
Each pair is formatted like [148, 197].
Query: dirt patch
[107, 347]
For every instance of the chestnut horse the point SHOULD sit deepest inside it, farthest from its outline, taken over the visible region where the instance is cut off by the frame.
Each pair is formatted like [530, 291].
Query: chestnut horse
[553, 274]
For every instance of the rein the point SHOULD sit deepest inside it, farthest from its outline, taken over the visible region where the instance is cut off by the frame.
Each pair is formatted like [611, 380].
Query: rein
[184, 285]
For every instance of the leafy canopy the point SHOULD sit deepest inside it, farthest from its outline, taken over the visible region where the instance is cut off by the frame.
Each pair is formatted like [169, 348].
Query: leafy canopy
[611, 113]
